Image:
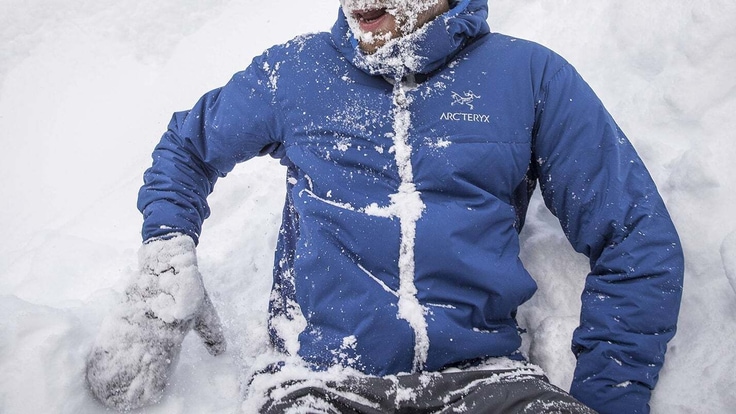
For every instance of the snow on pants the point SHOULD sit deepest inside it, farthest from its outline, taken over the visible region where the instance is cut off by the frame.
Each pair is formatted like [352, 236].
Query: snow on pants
[501, 392]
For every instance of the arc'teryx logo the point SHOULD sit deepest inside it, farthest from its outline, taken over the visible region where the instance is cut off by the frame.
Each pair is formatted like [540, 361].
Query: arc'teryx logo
[466, 99]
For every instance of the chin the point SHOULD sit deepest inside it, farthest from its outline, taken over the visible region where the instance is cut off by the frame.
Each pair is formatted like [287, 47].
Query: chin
[369, 43]
[370, 48]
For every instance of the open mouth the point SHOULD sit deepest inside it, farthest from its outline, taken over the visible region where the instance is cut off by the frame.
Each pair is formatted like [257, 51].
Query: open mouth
[370, 20]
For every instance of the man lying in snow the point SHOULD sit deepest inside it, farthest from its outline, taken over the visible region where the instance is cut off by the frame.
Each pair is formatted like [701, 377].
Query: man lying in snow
[413, 139]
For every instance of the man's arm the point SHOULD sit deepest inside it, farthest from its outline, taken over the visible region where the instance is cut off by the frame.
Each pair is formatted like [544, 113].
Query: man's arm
[135, 352]
[609, 208]
[226, 126]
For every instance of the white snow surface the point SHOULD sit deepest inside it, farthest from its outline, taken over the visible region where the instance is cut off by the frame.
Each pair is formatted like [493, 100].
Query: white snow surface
[87, 89]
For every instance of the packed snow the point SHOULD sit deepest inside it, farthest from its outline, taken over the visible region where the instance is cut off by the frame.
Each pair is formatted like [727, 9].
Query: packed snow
[87, 89]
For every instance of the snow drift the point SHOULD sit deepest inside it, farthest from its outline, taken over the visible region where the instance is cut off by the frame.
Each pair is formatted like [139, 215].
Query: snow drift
[86, 90]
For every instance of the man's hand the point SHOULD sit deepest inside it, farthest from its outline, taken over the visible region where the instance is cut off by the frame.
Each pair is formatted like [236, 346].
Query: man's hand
[138, 346]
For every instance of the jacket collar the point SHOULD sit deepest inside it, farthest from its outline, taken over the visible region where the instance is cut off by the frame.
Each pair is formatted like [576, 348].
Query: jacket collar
[423, 51]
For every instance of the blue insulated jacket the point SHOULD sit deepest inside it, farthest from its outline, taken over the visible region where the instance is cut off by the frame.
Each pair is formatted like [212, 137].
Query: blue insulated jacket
[407, 188]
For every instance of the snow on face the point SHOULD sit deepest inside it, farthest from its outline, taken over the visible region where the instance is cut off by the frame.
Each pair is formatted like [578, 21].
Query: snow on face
[375, 22]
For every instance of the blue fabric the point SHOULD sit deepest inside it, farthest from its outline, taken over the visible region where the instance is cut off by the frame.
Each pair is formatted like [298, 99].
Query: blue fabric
[491, 117]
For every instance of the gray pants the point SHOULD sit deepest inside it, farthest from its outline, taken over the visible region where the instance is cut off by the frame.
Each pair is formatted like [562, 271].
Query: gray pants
[502, 392]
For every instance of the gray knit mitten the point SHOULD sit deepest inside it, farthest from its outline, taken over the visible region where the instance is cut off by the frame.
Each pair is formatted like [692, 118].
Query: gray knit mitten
[139, 343]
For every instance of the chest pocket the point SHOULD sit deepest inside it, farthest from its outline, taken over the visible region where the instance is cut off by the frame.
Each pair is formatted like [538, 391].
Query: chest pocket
[468, 141]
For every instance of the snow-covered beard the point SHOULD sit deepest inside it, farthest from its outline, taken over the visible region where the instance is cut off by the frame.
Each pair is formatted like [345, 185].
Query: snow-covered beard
[407, 14]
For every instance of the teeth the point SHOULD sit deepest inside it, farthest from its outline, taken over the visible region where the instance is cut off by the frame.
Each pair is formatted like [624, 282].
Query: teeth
[371, 16]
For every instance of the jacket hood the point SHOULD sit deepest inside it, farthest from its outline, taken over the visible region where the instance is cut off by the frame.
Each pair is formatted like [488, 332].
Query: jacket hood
[423, 51]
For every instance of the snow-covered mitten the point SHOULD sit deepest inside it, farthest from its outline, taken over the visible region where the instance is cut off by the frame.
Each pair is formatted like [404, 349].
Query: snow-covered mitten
[139, 343]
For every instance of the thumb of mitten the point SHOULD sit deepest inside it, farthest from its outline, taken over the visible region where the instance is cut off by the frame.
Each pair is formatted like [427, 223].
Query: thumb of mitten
[208, 326]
